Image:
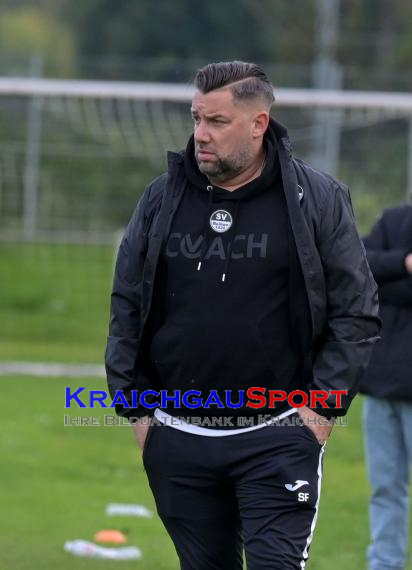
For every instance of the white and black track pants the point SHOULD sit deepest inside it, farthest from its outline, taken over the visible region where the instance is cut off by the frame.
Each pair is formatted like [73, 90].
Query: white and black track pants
[257, 491]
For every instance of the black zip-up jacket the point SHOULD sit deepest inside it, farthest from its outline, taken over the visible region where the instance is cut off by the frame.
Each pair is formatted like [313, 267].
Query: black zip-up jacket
[336, 332]
[389, 242]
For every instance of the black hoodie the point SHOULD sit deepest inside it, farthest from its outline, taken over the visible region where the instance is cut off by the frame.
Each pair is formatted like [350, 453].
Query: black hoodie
[226, 313]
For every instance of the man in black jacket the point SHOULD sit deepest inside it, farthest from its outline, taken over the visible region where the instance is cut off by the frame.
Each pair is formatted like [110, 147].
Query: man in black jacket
[241, 283]
[388, 385]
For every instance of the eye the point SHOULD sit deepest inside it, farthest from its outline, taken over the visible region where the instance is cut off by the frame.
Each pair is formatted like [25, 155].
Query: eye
[196, 120]
[219, 122]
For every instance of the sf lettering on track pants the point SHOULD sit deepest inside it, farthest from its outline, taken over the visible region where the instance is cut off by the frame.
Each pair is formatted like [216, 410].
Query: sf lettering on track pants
[257, 491]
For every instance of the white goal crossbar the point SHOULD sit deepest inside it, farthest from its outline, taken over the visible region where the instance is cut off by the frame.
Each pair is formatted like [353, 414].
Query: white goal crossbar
[15, 86]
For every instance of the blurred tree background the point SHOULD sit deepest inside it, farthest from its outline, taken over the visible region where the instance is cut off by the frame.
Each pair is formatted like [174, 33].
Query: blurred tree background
[161, 41]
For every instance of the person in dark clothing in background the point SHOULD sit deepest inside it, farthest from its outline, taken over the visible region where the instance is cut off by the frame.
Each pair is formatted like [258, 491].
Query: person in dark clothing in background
[241, 267]
[388, 386]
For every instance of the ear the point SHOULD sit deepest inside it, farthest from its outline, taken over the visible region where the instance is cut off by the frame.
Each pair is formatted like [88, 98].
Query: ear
[260, 123]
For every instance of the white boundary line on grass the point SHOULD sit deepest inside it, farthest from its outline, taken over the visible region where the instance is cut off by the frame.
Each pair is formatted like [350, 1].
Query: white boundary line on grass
[52, 369]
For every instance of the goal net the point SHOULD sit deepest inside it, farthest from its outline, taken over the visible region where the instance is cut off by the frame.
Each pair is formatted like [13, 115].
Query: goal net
[76, 156]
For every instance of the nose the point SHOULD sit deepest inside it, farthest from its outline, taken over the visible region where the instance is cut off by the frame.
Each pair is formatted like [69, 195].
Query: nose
[201, 133]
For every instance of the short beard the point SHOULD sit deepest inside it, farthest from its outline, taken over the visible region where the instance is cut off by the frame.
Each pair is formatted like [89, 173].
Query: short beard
[226, 168]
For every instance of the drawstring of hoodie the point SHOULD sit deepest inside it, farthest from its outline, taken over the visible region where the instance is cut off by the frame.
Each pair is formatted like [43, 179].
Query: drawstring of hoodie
[230, 244]
[205, 232]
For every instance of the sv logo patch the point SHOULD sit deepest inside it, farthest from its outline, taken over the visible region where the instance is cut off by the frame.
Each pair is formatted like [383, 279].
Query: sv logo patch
[221, 221]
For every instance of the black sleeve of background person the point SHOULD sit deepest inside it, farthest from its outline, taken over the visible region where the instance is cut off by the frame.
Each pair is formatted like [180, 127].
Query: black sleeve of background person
[386, 263]
[398, 293]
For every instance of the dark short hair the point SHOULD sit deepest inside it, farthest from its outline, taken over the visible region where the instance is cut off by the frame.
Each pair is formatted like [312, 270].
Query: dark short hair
[248, 81]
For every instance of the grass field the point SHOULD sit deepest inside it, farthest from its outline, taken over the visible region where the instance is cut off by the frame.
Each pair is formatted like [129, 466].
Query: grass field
[55, 301]
[56, 481]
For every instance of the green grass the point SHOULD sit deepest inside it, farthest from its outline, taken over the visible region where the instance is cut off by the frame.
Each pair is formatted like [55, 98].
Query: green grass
[55, 301]
[57, 480]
